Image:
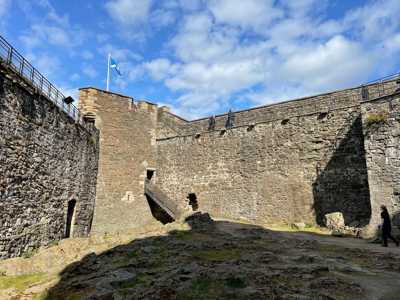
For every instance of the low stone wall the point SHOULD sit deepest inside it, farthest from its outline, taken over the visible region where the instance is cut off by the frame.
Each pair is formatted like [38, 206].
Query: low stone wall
[290, 109]
[46, 160]
[381, 126]
[169, 124]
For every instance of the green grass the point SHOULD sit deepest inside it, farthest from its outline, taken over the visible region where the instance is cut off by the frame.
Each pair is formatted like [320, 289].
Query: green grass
[140, 280]
[190, 236]
[217, 255]
[30, 253]
[181, 235]
[377, 118]
[21, 282]
[310, 228]
[202, 288]
[235, 282]
[53, 243]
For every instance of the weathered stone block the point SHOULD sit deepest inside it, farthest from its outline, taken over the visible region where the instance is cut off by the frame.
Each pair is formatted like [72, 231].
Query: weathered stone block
[334, 221]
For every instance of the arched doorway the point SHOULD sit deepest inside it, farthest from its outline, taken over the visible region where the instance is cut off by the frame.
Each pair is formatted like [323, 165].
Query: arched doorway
[70, 218]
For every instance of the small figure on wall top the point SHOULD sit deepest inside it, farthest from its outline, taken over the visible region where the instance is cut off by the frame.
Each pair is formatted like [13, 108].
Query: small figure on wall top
[230, 121]
[211, 123]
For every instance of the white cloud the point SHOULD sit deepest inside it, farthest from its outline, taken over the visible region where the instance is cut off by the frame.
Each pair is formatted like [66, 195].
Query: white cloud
[42, 35]
[297, 51]
[47, 64]
[218, 50]
[190, 5]
[328, 66]
[301, 8]
[102, 37]
[374, 21]
[196, 41]
[121, 54]
[51, 29]
[161, 68]
[86, 54]
[129, 12]
[161, 18]
[4, 7]
[74, 77]
[392, 44]
[89, 71]
[221, 78]
[249, 14]
[71, 91]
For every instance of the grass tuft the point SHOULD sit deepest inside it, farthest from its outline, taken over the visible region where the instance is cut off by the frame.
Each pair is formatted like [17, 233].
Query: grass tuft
[235, 282]
[21, 282]
[377, 118]
[217, 255]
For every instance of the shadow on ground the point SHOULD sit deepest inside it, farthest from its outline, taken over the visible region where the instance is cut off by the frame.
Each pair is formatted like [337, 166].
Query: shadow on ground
[223, 260]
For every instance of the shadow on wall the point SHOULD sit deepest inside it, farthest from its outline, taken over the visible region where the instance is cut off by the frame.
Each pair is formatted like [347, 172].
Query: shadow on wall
[213, 260]
[396, 220]
[342, 186]
[158, 212]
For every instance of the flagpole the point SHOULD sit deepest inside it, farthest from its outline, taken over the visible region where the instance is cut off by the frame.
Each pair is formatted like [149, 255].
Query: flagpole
[108, 72]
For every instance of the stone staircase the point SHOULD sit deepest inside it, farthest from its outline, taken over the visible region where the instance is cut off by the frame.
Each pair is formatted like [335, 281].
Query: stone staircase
[169, 206]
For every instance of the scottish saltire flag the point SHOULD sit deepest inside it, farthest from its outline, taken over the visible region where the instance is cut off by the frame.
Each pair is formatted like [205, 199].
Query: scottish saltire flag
[114, 65]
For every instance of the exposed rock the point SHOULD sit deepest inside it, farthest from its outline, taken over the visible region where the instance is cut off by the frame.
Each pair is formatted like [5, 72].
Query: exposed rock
[299, 226]
[223, 262]
[200, 221]
[334, 221]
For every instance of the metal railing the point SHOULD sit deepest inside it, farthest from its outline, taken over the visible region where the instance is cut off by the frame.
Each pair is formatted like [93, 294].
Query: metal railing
[10, 56]
[381, 87]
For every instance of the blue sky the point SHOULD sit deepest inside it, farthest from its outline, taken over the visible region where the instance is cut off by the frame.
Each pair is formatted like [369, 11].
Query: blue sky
[205, 56]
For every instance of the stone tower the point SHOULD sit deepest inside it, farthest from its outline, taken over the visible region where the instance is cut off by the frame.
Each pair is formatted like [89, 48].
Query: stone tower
[127, 151]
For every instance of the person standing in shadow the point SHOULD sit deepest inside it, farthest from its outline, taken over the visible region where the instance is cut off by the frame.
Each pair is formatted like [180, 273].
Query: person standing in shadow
[387, 227]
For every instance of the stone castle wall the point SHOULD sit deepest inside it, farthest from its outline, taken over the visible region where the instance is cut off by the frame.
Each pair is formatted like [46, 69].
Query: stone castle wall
[46, 160]
[288, 162]
[169, 124]
[296, 162]
[381, 125]
[127, 149]
[298, 107]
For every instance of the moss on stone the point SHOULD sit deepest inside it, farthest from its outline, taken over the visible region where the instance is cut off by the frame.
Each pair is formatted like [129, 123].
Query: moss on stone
[201, 288]
[377, 118]
[21, 282]
[235, 282]
[217, 255]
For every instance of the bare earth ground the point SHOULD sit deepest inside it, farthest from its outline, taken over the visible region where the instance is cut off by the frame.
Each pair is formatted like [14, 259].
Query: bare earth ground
[224, 260]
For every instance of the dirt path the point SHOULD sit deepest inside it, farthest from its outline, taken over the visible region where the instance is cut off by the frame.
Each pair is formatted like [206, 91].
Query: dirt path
[378, 284]
[346, 242]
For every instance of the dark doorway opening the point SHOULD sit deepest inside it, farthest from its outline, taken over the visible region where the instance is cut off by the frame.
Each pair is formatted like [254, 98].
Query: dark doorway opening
[70, 218]
[90, 224]
[193, 201]
[158, 212]
[150, 174]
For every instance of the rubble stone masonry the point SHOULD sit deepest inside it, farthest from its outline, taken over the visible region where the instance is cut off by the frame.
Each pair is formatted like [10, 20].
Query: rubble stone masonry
[46, 161]
[381, 125]
[288, 162]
